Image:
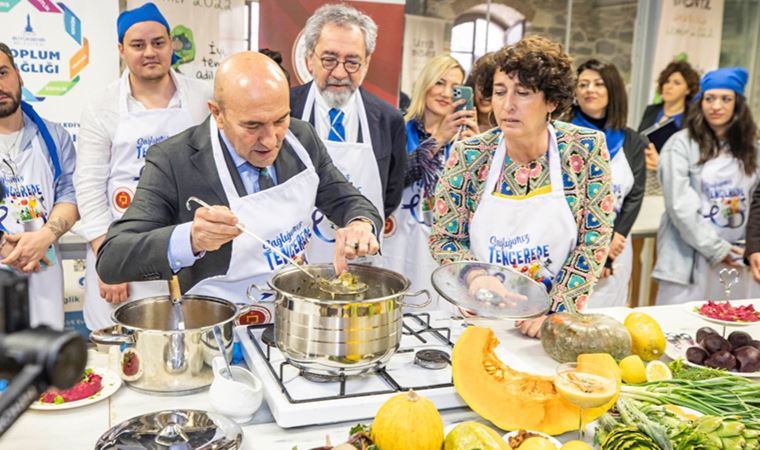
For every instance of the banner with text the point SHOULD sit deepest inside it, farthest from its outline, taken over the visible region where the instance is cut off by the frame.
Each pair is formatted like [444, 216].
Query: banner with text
[65, 50]
[423, 40]
[204, 32]
[689, 31]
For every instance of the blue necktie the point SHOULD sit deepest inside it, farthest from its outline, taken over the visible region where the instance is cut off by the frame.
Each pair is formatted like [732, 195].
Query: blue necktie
[337, 131]
[265, 179]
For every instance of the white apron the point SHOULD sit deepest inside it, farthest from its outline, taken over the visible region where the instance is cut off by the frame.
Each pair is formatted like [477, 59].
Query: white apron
[136, 132]
[534, 234]
[357, 162]
[613, 290]
[279, 214]
[30, 196]
[405, 240]
[726, 195]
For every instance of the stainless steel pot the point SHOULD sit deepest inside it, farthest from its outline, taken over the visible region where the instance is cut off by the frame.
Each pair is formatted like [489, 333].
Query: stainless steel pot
[349, 334]
[158, 358]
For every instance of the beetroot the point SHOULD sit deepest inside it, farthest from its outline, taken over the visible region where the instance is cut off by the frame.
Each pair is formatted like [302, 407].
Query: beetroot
[90, 385]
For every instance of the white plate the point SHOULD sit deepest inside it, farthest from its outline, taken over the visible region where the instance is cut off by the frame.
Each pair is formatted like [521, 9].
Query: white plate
[110, 384]
[673, 352]
[554, 441]
[693, 308]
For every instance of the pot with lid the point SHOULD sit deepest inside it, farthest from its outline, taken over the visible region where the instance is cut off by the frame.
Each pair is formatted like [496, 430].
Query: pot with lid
[159, 357]
[338, 334]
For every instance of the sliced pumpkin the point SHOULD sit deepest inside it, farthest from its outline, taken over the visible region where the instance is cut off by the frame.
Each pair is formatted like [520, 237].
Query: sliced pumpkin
[514, 400]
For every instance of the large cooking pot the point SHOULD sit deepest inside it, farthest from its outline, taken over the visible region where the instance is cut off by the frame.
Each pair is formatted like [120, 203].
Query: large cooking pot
[338, 334]
[158, 358]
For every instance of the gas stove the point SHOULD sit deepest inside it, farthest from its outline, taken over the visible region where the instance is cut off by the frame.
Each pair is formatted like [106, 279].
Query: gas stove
[297, 398]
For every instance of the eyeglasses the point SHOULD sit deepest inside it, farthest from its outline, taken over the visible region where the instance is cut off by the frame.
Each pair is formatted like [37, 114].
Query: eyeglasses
[330, 63]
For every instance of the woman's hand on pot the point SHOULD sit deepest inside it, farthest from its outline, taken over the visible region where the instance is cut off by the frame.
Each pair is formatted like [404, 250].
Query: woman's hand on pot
[212, 228]
[652, 157]
[491, 284]
[617, 245]
[355, 239]
[531, 327]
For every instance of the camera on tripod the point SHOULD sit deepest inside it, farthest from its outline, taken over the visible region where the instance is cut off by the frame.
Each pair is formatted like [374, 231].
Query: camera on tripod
[33, 359]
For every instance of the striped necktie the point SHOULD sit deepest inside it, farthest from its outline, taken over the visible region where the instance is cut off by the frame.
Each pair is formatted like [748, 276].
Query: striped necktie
[265, 179]
[337, 131]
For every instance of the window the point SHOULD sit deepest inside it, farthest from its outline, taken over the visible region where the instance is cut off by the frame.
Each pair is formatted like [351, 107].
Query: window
[473, 36]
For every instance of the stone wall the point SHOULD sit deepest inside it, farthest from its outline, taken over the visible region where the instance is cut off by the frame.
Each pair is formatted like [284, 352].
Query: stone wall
[600, 28]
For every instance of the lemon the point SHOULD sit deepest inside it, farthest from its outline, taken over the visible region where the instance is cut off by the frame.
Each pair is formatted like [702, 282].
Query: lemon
[633, 370]
[658, 371]
[537, 443]
[647, 338]
[575, 445]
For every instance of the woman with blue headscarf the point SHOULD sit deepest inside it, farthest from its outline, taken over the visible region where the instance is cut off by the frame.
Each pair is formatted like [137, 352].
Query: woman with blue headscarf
[708, 173]
[601, 104]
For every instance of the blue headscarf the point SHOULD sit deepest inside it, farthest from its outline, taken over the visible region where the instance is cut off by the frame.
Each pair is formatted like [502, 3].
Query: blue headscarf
[734, 78]
[614, 138]
[146, 13]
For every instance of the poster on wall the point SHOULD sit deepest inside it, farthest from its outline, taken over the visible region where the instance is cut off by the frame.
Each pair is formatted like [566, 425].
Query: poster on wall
[281, 23]
[65, 50]
[423, 40]
[204, 32]
[689, 31]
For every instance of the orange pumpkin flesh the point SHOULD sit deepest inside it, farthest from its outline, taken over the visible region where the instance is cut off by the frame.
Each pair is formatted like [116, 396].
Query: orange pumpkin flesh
[514, 400]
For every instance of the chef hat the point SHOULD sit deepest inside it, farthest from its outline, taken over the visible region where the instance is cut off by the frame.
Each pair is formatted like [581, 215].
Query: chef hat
[146, 13]
[734, 78]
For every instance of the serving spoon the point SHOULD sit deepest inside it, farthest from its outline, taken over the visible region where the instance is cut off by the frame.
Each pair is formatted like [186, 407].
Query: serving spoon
[345, 284]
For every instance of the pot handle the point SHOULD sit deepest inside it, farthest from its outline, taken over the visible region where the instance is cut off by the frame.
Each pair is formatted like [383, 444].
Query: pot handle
[415, 294]
[111, 336]
[253, 289]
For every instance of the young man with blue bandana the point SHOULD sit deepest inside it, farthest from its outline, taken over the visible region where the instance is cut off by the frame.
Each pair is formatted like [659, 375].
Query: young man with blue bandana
[148, 104]
[39, 206]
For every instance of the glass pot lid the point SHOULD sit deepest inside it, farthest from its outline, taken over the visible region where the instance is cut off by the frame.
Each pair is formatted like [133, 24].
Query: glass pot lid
[175, 430]
[508, 295]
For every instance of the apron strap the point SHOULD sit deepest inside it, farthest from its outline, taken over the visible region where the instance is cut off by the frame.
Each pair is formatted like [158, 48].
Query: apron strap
[46, 137]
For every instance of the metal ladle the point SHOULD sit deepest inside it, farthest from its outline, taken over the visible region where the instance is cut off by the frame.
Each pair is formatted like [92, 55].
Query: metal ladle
[336, 286]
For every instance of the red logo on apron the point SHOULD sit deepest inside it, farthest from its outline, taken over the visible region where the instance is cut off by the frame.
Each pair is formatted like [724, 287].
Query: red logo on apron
[254, 315]
[122, 198]
[389, 227]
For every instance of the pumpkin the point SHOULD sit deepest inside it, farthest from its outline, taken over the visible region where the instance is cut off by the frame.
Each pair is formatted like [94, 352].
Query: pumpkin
[470, 435]
[514, 400]
[647, 338]
[408, 421]
[564, 336]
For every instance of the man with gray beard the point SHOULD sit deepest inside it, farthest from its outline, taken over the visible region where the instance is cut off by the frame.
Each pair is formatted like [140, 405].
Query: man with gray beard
[364, 135]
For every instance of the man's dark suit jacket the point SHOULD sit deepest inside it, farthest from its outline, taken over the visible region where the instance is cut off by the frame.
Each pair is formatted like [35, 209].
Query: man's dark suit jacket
[388, 134]
[136, 246]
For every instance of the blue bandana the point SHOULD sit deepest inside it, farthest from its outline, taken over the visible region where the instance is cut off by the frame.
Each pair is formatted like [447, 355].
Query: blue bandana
[614, 138]
[734, 78]
[146, 13]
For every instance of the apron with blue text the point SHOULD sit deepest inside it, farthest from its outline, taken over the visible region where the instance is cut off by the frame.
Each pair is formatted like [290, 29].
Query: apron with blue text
[356, 161]
[405, 236]
[613, 290]
[29, 200]
[726, 196]
[280, 215]
[534, 233]
[135, 133]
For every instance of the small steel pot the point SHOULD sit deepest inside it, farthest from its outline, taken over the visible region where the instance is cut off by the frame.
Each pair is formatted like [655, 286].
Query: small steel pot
[341, 334]
[156, 357]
